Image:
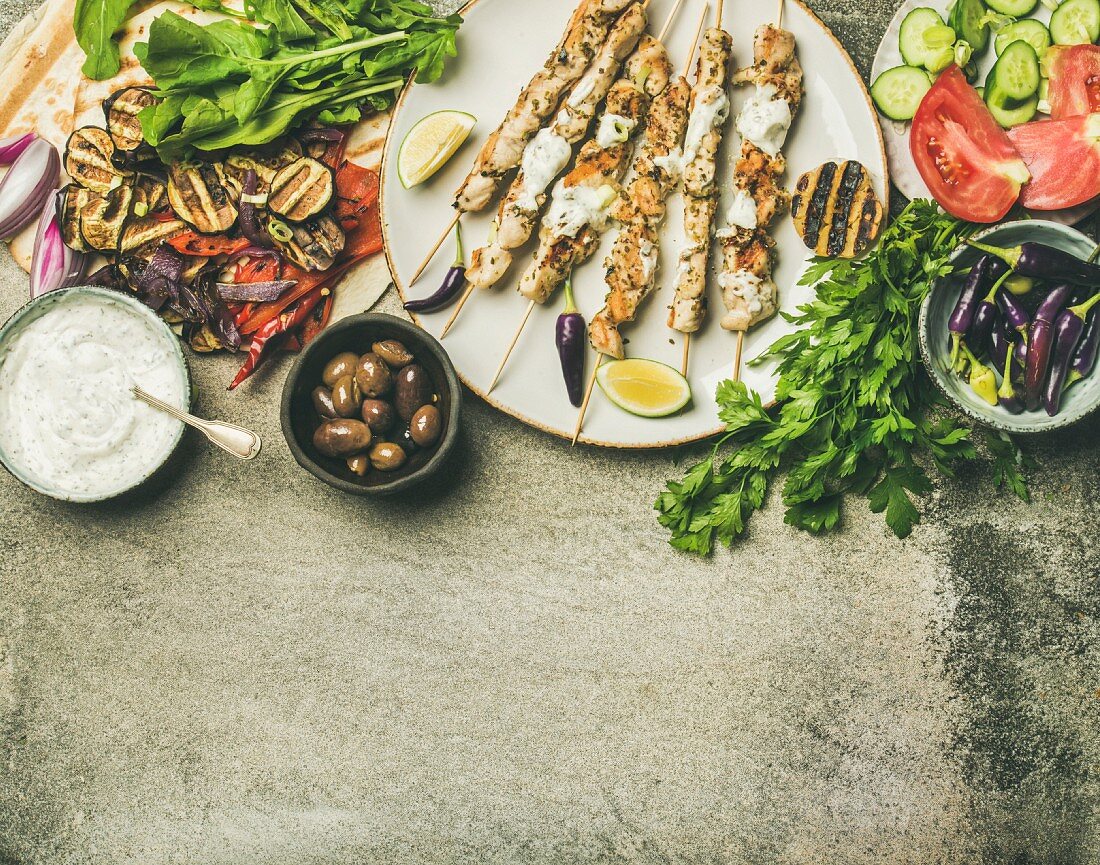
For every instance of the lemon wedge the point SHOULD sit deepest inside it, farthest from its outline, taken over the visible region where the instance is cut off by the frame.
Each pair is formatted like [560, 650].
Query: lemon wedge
[644, 387]
[430, 143]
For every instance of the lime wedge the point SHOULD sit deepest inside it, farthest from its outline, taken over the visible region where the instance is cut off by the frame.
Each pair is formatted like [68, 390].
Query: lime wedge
[430, 144]
[644, 387]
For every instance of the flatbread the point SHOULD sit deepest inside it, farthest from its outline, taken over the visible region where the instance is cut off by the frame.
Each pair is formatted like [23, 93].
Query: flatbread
[45, 92]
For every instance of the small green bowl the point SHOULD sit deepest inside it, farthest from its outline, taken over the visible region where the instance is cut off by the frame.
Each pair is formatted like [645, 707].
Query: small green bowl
[1080, 401]
[356, 334]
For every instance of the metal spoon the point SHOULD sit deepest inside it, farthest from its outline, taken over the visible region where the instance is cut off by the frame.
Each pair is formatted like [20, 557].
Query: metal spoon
[243, 444]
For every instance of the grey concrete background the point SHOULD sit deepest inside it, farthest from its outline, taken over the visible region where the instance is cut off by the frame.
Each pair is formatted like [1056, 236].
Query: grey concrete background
[245, 666]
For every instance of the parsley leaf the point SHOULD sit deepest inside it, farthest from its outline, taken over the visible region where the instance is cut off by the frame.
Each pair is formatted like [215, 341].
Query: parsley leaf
[854, 408]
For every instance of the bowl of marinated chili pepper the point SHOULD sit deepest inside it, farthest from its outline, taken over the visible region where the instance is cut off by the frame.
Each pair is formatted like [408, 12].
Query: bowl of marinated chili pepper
[372, 406]
[1011, 335]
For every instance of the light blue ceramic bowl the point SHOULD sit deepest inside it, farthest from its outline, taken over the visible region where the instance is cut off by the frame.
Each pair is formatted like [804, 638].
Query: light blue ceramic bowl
[1079, 402]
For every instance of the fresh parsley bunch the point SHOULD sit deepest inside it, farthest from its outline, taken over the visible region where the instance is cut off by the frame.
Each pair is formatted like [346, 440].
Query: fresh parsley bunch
[854, 408]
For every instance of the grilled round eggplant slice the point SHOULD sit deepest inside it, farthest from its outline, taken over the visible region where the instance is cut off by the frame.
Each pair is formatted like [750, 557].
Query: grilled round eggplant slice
[314, 245]
[70, 202]
[836, 211]
[266, 161]
[89, 159]
[121, 110]
[198, 194]
[142, 236]
[302, 190]
[150, 195]
[103, 218]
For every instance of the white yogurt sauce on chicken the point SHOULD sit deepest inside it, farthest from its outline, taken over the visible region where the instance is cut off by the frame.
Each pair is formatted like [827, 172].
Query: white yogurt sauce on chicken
[672, 163]
[650, 256]
[712, 109]
[68, 421]
[614, 129]
[741, 215]
[747, 286]
[544, 158]
[575, 207]
[766, 120]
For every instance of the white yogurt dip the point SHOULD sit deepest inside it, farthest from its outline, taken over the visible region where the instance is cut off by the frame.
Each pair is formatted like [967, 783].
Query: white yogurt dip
[766, 119]
[69, 425]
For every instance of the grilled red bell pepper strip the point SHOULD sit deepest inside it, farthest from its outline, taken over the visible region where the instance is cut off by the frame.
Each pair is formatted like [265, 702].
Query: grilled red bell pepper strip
[190, 243]
[281, 324]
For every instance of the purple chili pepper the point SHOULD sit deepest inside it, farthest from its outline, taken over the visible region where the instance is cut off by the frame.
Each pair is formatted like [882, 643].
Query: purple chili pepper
[1084, 359]
[1040, 344]
[570, 336]
[1016, 317]
[452, 282]
[1068, 332]
[1044, 262]
[963, 316]
[986, 313]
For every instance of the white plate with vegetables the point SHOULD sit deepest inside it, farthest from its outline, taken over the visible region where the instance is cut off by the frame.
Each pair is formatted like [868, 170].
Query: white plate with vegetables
[1011, 52]
[501, 45]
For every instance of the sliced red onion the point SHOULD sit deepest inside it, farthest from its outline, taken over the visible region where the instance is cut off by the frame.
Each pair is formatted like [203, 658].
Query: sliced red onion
[246, 212]
[327, 134]
[27, 186]
[53, 264]
[254, 292]
[10, 148]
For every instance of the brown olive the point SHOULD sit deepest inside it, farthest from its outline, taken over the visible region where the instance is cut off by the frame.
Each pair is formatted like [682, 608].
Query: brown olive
[413, 389]
[322, 402]
[405, 439]
[387, 457]
[374, 376]
[359, 464]
[341, 365]
[426, 426]
[393, 353]
[378, 415]
[342, 438]
[346, 397]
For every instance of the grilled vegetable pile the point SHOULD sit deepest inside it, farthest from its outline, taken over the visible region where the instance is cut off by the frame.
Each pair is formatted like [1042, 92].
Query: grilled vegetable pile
[241, 246]
[1039, 338]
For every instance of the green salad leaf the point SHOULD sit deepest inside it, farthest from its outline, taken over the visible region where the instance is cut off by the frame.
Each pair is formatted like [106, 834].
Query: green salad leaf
[313, 59]
[95, 23]
[855, 412]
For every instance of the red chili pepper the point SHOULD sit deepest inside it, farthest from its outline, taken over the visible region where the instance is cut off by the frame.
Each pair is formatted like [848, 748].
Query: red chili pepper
[243, 314]
[281, 324]
[200, 245]
[318, 321]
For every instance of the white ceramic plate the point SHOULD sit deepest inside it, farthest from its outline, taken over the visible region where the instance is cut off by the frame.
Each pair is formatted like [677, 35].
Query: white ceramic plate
[903, 170]
[501, 45]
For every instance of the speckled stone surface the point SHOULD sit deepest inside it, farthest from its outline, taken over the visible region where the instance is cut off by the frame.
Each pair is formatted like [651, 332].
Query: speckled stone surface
[244, 666]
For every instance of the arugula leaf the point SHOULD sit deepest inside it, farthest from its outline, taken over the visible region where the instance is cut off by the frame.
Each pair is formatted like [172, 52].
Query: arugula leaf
[854, 408]
[290, 26]
[95, 23]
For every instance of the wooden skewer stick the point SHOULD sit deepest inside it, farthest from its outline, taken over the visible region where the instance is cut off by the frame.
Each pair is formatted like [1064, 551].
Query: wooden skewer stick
[454, 315]
[695, 44]
[446, 233]
[687, 355]
[669, 21]
[737, 356]
[587, 398]
[515, 339]
[779, 17]
[718, 17]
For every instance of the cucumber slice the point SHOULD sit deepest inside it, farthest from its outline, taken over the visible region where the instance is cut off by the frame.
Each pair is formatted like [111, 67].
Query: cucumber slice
[1013, 112]
[1015, 8]
[1030, 31]
[915, 50]
[1015, 77]
[966, 20]
[898, 92]
[1076, 22]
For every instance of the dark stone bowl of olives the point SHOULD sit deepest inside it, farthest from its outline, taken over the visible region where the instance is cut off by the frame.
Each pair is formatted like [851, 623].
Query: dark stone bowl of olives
[372, 405]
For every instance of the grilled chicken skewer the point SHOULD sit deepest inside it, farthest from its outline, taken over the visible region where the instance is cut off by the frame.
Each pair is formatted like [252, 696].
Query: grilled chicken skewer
[587, 31]
[710, 111]
[549, 152]
[748, 291]
[581, 202]
[632, 265]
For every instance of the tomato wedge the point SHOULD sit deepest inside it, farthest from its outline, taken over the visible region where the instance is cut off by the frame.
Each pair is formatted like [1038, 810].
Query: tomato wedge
[1074, 80]
[1064, 159]
[963, 155]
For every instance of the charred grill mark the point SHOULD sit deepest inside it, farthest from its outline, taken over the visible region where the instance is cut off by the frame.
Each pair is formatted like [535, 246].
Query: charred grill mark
[819, 202]
[870, 220]
[850, 183]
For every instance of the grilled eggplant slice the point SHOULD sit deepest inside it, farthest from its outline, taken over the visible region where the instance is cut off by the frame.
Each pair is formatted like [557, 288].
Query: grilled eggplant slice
[121, 110]
[200, 197]
[89, 161]
[70, 202]
[150, 195]
[315, 244]
[103, 218]
[142, 236]
[302, 190]
[836, 210]
[266, 161]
